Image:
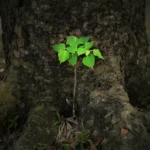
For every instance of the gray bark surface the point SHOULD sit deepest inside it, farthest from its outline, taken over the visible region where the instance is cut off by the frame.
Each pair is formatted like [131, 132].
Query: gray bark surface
[104, 94]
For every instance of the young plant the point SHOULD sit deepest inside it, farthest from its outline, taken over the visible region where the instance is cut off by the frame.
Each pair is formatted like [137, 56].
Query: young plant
[13, 122]
[74, 48]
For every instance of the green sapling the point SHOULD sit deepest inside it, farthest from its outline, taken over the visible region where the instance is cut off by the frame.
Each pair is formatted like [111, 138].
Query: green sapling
[71, 50]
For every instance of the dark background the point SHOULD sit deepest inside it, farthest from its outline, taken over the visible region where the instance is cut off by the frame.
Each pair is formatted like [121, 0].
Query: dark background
[148, 18]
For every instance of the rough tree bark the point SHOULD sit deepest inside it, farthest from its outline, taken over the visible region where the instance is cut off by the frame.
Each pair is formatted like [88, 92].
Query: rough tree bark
[42, 85]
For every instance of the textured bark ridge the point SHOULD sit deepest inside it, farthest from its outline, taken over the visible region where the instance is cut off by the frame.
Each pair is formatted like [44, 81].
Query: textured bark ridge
[42, 85]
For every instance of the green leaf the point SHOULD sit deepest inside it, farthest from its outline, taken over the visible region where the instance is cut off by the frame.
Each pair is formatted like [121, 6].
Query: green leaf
[58, 47]
[88, 45]
[72, 40]
[72, 49]
[89, 60]
[58, 116]
[63, 55]
[87, 52]
[66, 147]
[73, 59]
[97, 53]
[81, 50]
[82, 40]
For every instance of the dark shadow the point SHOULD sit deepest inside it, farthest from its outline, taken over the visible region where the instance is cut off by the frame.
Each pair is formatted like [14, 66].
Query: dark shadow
[148, 20]
[2, 59]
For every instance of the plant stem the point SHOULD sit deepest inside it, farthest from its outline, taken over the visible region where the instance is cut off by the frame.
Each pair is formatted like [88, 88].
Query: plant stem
[74, 90]
[75, 82]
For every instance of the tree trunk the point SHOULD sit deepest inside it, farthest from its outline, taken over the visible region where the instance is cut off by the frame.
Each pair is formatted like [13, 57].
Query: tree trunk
[43, 86]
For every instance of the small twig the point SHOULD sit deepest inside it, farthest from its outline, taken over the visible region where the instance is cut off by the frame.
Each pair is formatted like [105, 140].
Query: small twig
[74, 90]
[75, 82]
